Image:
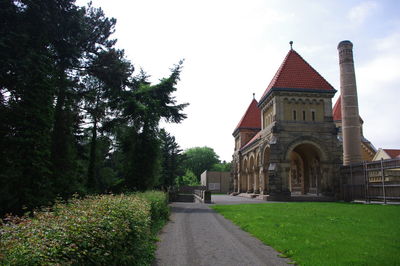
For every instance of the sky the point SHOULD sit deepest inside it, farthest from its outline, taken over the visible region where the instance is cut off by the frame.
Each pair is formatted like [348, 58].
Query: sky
[232, 49]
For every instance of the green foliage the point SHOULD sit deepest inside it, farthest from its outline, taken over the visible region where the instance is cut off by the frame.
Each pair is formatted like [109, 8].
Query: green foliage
[140, 143]
[199, 159]
[172, 160]
[158, 207]
[98, 230]
[73, 118]
[323, 233]
[141, 160]
[188, 179]
[221, 167]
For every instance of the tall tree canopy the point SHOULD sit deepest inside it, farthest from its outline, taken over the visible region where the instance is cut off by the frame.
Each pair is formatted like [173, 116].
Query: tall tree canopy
[199, 159]
[172, 160]
[73, 117]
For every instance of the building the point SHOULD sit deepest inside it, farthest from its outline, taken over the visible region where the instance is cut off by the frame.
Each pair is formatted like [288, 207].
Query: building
[219, 182]
[287, 143]
[386, 154]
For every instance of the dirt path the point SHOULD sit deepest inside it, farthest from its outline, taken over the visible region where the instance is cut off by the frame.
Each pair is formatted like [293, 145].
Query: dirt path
[197, 235]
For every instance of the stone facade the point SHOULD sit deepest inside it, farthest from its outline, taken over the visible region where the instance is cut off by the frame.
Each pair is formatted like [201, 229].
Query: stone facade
[296, 150]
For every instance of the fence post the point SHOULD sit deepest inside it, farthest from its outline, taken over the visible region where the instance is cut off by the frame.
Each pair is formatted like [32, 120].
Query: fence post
[383, 182]
[366, 181]
[352, 184]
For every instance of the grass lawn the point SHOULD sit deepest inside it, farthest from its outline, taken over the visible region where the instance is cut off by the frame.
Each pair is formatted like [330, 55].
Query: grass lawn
[323, 233]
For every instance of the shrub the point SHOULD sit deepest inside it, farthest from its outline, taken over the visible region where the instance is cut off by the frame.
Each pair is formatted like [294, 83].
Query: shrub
[106, 229]
[159, 205]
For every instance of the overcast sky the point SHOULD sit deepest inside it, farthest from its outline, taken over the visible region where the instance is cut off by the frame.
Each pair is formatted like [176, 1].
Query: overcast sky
[233, 48]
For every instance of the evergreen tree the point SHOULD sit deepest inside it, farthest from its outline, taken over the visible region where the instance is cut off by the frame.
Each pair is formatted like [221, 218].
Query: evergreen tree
[172, 160]
[145, 106]
[72, 116]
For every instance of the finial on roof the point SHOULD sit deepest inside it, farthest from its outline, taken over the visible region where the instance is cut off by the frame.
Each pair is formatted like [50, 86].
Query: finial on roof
[254, 95]
[291, 45]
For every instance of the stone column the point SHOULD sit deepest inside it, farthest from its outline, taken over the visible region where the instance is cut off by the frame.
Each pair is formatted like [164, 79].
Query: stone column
[235, 182]
[263, 181]
[249, 184]
[256, 181]
[350, 116]
[240, 182]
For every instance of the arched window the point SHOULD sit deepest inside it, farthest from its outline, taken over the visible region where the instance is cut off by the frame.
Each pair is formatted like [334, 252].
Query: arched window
[294, 115]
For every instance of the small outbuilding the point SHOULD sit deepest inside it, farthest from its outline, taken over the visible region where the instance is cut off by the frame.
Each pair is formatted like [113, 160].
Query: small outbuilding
[219, 182]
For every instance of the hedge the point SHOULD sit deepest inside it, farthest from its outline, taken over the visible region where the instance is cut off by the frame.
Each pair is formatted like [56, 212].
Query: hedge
[97, 230]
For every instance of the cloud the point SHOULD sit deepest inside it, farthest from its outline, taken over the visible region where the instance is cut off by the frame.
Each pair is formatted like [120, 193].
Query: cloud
[360, 13]
[378, 81]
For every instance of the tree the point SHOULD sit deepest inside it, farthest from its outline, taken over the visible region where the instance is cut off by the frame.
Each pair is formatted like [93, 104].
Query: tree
[104, 82]
[172, 160]
[144, 106]
[45, 48]
[188, 179]
[30, 52]
[222, 167]
[199, 159]
[73, 118]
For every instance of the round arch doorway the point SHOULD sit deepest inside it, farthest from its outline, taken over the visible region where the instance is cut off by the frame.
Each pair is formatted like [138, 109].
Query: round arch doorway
[305, 169]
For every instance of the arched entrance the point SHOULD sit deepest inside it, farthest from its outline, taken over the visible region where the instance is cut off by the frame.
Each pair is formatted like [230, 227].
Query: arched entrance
[305, 169]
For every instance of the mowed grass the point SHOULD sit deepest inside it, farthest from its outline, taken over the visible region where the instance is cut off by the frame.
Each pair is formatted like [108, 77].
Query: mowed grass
[323, 233]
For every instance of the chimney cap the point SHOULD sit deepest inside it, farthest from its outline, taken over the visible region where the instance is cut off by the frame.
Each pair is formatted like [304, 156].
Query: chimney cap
[345, 44]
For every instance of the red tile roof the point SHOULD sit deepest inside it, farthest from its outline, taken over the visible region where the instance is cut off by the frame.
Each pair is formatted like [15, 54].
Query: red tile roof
[251, 118]
[337, 110]
[296, 73]
[392, 153]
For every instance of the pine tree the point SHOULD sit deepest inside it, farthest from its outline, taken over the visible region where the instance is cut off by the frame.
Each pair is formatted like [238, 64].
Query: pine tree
[172, 160]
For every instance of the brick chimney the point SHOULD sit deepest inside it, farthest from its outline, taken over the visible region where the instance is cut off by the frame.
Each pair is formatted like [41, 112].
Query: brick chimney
[350, 117]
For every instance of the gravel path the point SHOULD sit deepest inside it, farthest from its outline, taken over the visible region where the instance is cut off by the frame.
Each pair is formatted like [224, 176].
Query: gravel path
[197, 235]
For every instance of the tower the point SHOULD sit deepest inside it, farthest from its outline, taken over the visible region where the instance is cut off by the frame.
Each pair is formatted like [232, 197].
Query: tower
[350, 116]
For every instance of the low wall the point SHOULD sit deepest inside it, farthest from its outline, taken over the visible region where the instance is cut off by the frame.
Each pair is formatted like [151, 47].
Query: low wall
[203, 195]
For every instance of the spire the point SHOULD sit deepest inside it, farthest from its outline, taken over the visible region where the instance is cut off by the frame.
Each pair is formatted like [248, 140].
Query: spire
[291, 45]
[254, 96]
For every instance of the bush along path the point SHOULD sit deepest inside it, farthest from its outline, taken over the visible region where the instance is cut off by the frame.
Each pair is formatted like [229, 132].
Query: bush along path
[100, 230]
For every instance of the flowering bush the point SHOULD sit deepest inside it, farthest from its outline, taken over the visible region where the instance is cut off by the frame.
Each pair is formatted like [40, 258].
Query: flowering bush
[106, 229]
